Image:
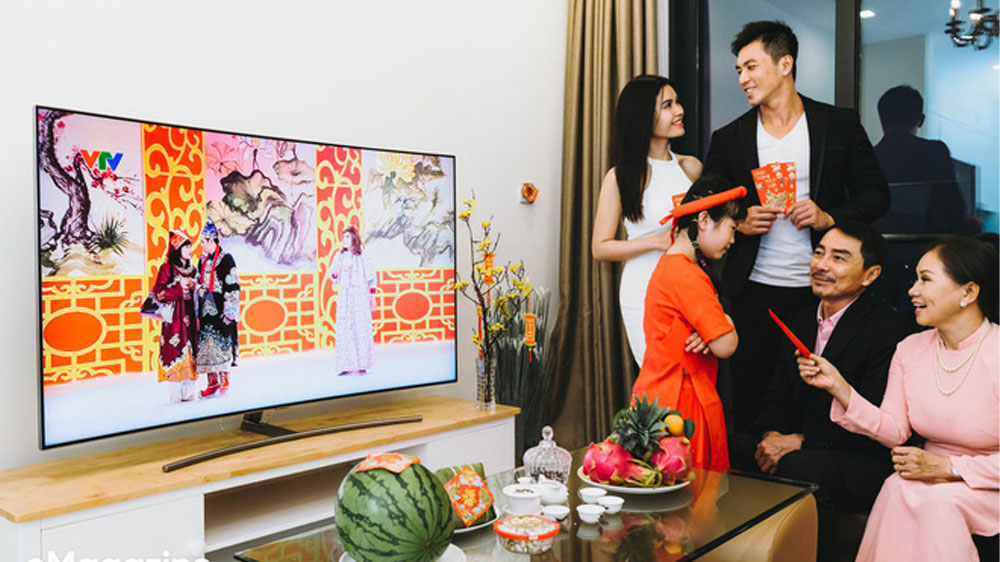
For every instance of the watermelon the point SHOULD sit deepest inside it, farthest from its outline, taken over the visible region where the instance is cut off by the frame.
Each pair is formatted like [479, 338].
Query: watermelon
[387, 517]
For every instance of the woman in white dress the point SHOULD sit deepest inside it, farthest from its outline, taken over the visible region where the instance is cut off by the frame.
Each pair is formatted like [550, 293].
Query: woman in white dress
[354, 275]
[640, 187]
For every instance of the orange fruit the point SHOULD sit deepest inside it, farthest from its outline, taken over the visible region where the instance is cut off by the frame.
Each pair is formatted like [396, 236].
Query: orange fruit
[675, 425]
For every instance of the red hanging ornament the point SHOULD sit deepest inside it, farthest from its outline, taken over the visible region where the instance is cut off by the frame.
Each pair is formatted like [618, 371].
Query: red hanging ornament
[488, 269]
[529, 329]
[529, 333]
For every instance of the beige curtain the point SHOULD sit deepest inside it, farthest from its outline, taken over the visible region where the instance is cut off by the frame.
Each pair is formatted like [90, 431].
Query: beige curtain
[609, 42]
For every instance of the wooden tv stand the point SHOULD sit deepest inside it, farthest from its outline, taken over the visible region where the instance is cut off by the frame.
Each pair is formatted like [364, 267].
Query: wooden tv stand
[120, 504]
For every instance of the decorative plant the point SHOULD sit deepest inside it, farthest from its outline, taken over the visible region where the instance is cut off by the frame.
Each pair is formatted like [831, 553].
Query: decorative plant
[525, 376]
[499, 294]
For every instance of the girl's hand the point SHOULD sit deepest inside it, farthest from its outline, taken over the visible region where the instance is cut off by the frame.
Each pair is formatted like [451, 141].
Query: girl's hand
[817, 371]
[914, 463]
[694, 344]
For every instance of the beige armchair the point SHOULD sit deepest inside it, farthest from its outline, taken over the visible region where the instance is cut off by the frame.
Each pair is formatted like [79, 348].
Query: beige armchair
[787, 536]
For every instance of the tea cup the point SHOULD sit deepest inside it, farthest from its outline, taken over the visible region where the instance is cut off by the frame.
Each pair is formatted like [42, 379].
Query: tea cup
[590, 494]
[553, 492]
[612, 504]
[589, 513]
[522, 500]
[557, 512]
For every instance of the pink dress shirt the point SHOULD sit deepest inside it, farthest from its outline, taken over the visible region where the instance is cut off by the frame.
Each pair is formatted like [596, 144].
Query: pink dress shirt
[824, 328]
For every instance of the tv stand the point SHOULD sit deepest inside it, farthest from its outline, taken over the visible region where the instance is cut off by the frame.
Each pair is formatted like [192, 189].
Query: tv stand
[120, 504]
[251, 422]
[279, 435]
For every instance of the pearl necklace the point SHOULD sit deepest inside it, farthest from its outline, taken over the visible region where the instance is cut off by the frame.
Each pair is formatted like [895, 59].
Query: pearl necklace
[967, 362]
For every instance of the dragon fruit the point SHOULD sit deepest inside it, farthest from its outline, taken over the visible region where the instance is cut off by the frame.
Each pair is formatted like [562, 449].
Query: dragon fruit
[608, 462]
[673, 459]
[649, 447]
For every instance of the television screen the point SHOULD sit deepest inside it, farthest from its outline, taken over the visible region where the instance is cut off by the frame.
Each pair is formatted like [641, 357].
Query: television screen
[189, 273]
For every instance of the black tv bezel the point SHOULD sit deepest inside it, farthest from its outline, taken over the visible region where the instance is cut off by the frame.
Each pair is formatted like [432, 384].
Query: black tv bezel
[39, 278]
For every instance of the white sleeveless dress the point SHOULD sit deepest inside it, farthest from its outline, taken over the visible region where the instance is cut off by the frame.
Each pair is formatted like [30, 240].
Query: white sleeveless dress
[667, 179]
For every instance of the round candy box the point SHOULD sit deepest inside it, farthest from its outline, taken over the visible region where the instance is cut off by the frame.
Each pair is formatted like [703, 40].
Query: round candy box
[526, 534]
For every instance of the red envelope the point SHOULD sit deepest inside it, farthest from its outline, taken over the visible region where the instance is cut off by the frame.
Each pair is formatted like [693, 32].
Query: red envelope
[776, 184]
[803, 350]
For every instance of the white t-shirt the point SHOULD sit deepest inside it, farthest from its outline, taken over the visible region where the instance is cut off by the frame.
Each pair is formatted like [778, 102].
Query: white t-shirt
[783, 257]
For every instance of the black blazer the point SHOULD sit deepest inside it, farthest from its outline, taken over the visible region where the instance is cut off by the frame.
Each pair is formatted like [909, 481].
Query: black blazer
[861, 347]
[846, 179]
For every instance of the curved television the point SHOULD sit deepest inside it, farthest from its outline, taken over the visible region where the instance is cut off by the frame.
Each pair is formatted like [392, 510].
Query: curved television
[190, 273]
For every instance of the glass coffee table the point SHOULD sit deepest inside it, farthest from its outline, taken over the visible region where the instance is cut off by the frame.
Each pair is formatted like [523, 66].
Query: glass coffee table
[679, 525]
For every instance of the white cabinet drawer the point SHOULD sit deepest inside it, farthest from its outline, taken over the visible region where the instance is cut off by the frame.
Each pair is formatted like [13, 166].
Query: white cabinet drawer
[490, 443]
[174, 527]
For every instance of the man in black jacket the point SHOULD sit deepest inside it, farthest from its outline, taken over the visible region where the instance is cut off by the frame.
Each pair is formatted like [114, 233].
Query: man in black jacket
[838, 178]
[793, 435]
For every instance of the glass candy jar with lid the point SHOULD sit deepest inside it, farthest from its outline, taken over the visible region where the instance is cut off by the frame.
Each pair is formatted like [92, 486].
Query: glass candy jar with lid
[548, 459]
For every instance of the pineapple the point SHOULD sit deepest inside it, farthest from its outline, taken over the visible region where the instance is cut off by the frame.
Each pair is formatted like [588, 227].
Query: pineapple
[639, 427]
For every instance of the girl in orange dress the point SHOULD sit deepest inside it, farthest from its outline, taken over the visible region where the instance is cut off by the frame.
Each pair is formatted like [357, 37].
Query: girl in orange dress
[686, 328]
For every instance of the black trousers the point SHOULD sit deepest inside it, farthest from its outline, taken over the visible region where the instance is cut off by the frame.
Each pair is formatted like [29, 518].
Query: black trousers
[752, 366]
[848, 481]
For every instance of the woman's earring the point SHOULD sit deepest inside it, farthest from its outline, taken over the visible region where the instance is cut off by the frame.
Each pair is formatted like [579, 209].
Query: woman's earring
[963, 304]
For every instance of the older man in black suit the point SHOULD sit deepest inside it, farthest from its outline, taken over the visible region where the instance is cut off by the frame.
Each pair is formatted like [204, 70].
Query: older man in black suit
[793, 435]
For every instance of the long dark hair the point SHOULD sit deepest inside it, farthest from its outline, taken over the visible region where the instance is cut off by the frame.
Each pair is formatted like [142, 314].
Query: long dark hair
[355, 238]
[969, 260]
[175, 257]
[633, 128]
[735, 209]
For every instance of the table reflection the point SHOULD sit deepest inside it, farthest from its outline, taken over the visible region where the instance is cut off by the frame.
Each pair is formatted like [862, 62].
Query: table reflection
[679, 525]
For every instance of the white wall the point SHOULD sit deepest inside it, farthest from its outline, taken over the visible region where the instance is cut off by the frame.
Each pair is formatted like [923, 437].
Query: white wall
[480, 80]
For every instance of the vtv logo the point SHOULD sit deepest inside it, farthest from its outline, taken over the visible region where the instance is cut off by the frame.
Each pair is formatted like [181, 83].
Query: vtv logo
[104, 160]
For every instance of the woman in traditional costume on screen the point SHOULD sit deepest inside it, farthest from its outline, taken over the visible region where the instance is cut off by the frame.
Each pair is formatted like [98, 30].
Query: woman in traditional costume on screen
[175, 284]
[353, 272]
[218, 312]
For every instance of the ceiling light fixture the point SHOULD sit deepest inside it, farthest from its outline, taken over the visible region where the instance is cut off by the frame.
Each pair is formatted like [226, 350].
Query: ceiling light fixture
[983, 26]
[865, 14]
